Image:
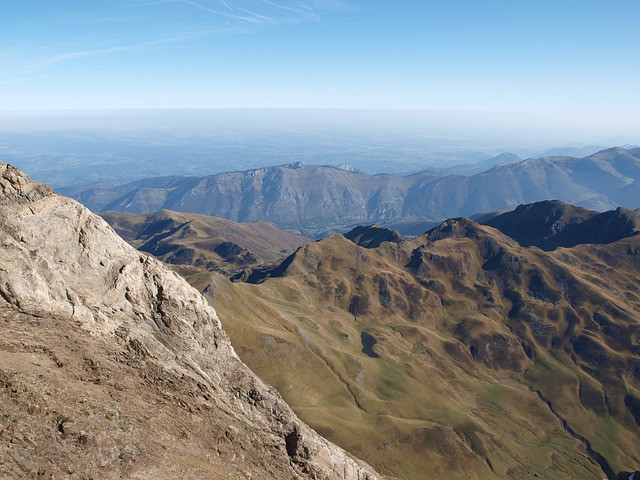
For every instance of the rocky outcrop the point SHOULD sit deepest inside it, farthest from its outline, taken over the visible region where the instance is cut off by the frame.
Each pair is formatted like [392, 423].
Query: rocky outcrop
[68, 283]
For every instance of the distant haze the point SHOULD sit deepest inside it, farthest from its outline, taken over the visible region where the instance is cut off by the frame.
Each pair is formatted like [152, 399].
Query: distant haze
[79, 147]
[507, 128]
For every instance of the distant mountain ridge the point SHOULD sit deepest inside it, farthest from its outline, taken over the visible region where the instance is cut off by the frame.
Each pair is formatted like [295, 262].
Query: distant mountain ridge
[372, 236]
[316, 200]
[467, 170]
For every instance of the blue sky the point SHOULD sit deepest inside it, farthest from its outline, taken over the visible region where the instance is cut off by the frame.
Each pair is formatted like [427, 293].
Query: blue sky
[569, 59]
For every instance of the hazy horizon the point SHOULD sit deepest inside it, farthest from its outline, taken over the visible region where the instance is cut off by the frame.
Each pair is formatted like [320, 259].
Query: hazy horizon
[72, 148]
[502, 127]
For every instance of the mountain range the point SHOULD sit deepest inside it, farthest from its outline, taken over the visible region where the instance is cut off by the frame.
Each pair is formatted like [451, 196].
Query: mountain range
[503, 349]
[461, 353]
[316, 200]
[112, 366]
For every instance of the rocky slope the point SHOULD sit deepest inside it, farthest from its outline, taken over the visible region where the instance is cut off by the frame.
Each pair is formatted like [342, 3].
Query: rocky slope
[113, 366]
[315, 200]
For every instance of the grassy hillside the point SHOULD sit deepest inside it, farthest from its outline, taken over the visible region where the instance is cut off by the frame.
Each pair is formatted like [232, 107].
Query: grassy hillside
[495, 360]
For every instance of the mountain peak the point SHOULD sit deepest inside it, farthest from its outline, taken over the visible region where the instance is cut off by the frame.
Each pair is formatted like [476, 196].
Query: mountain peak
[454, 228]
[296, 165]
[371, 236]
[17, 186]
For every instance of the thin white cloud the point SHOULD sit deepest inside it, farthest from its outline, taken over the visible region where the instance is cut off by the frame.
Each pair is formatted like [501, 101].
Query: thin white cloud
[51, 61]
[233, 19]
[302, 9]
[252, 19]
[202, 7]
[223, 3]
[252, 14]
[29, 78]
[148, 4]
[192, 3]
[333, 5]
[257, 18]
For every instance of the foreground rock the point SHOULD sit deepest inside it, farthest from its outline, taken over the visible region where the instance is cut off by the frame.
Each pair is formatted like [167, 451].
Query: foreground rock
[113, 366]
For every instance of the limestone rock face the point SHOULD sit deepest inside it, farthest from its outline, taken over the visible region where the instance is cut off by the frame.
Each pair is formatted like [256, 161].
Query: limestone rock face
[113, 366]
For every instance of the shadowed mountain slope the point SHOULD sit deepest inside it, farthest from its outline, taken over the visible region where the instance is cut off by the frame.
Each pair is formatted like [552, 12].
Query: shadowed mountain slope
[198, 242]
[552, 224]
[112, 366]
[316, 200]
[372, 236]
[460, 353]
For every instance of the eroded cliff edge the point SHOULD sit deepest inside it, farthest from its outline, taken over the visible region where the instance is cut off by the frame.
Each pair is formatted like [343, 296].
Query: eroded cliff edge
[112, 365]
